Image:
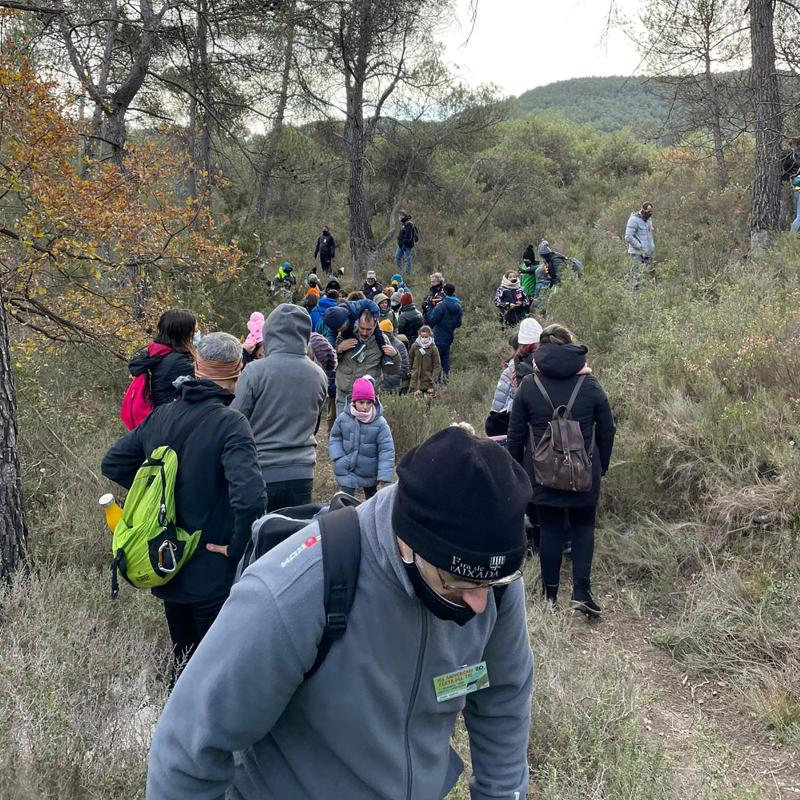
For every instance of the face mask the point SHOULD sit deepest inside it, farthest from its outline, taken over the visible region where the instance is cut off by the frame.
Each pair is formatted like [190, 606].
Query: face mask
[435, 603]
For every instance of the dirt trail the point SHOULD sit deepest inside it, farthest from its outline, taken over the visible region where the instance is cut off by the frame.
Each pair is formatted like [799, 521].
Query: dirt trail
[715, 746]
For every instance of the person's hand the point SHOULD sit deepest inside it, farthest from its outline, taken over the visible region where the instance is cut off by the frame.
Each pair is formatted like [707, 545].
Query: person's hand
[388, 350]
[345, 345]
[222, 549]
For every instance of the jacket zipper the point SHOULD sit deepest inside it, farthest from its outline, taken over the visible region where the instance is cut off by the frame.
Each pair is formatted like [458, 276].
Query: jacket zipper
[414, 692]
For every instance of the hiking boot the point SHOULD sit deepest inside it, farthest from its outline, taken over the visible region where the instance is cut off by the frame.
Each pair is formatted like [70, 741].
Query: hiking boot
[550, 595]
[583, 601]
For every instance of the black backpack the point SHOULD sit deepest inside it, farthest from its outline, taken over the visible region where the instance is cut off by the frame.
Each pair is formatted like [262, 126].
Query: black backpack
[341, 557]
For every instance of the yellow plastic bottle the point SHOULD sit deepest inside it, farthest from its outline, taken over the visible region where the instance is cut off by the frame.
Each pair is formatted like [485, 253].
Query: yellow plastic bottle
[112, 511]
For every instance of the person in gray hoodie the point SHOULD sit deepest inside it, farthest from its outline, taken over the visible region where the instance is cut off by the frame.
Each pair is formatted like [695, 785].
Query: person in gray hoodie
[437, 629]
[282, 396]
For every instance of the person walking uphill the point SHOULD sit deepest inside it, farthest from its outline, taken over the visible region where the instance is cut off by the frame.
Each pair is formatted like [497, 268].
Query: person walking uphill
[361, 445]
[406, 239]
[563, 379]
[219, 489]
[511, 299]
[326, 250]
[168, 357]
[641, 245]
[444, 319]
[282, 396]
[437, 629]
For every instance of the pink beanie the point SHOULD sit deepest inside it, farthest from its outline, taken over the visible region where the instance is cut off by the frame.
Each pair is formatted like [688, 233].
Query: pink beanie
[363, 389]
[255, 327]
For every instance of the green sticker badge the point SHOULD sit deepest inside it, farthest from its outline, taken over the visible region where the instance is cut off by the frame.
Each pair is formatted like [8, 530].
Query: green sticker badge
[463, 681]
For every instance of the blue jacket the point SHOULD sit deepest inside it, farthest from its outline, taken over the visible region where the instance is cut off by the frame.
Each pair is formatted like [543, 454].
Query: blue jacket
[362, 454]
[445, 317]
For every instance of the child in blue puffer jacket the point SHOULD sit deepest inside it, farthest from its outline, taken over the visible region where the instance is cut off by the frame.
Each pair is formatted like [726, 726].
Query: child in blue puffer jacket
[361, 445]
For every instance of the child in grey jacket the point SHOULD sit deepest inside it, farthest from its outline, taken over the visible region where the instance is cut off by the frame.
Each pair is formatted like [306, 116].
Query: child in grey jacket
[361, 445]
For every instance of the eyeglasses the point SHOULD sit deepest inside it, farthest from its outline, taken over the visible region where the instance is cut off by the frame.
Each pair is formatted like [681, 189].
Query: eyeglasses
[463, 585]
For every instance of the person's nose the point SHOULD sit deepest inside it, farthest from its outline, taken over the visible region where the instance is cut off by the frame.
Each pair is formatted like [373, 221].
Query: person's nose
[476, 599]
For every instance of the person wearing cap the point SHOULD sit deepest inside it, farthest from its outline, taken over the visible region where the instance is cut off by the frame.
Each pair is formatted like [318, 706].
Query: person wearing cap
[253, 346]
[282, 396]
[284, 275]
[219, 488]
[444, 318]
[409, 319]
[520, 365]
[559, 363]
[360, 445]
[371, 287]
[437, 629]
[393, 382]
[326, 250]
[407, 237]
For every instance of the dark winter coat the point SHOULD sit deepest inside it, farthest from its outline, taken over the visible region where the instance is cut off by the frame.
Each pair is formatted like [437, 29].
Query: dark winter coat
[219, 488]
[408, 235]
[503, 299]
[445, 318]
[557, 367]
[433, 299]
[362, 452]
[393, 382]
[165, 365]
[326, 247]
[409, 321]
[371, 291]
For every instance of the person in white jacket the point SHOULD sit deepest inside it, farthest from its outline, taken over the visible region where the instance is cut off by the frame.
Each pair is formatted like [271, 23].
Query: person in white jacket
[640, 241]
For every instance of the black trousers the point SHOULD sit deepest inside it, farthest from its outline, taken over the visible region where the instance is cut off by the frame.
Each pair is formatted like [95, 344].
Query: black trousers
[559, 525]
[188, 623]
[285, 494]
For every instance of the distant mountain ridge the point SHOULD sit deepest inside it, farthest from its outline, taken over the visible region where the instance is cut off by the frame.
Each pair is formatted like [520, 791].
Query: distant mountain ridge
[607, 103]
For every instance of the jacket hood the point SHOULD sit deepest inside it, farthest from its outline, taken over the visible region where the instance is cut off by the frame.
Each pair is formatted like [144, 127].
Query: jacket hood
[452, 298]
[560, 360]
[197, 390]
[325, 303]
[287, 330]
[148, 358]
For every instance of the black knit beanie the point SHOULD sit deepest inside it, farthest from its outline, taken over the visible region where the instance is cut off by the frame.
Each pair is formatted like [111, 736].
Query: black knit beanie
[460, 504]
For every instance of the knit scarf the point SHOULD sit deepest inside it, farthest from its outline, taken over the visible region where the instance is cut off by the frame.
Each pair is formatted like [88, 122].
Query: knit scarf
[424, 343]
[507, 284]
[363, 416]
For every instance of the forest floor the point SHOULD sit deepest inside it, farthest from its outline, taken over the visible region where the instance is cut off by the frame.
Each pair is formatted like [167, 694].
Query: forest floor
[718, 749]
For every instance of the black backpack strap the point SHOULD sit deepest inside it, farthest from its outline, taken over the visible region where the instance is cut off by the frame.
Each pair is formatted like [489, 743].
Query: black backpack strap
[341, 559]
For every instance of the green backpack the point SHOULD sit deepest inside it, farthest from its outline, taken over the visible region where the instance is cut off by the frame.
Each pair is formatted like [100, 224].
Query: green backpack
[149, 548]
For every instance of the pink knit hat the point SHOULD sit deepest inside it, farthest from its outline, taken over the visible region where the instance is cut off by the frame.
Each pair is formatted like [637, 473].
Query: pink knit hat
[255, 327]
[363, 389]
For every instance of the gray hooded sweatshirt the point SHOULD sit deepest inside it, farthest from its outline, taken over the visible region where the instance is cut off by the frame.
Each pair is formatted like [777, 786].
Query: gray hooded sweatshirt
[367, 725]
[282, 395]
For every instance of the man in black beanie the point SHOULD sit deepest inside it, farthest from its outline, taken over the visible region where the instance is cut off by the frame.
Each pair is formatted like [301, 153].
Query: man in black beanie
[437, 628]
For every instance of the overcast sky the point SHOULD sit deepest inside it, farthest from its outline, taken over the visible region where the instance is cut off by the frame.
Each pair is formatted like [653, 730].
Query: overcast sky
[520, 44]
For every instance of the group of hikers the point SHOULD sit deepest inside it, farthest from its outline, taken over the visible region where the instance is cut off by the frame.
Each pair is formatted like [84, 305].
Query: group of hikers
[435, 624]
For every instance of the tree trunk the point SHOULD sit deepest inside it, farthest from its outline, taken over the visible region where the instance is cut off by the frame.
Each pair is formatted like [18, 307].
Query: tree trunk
[716, 123]
[360, 230]
[765, 208]
[205, 90]
[274, 136]
[13, 530]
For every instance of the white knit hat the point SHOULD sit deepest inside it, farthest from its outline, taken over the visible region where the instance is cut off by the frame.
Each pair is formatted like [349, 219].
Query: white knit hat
[529, 331]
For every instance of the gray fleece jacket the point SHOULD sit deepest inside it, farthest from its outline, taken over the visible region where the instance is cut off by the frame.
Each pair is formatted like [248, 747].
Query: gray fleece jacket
[367, 725]
[282, 395]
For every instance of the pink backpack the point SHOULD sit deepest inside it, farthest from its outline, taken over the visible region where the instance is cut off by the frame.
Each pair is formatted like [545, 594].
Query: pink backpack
[137, 403]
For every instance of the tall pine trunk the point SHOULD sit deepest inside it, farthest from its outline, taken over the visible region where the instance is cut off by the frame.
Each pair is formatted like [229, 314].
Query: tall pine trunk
[766, 203]
[274, 136]
[13, 530]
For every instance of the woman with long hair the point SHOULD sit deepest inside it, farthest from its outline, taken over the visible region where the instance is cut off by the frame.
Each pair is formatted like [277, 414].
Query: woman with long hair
[560, 373]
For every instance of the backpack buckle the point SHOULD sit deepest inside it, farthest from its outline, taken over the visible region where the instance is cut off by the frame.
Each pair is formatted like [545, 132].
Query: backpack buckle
[336, 623]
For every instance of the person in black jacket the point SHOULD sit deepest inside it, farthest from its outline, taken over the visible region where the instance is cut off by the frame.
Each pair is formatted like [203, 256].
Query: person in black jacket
[219, 488]
[435, 295]
[409, 320]
[564, 515]
[169, 356]
[407, 237]
[325, 249]
[510, 298]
